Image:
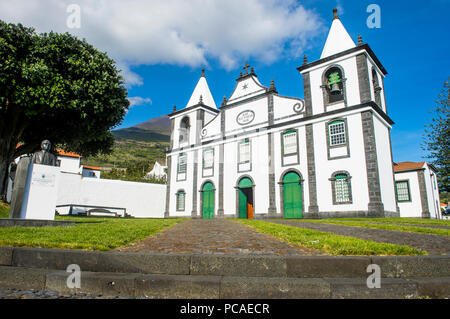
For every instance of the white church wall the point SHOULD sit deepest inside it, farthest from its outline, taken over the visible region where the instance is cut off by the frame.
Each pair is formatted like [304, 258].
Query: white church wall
[370, 65]
[385, 169]
[185, 185]
[260, 116]
[432, 192]
[302, 166]
[212, 128]
[412, 208]
[287, 107]
[354, 165]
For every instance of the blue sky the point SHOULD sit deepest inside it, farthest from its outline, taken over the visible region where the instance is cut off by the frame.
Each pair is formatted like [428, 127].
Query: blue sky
[163, 45]
[412, 44]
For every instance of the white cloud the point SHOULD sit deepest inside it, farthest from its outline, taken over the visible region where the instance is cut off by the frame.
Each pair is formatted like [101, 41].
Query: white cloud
[137, 100]
[177, 32]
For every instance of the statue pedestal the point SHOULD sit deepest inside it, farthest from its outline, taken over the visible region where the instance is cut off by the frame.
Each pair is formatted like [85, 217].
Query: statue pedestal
[40, 194]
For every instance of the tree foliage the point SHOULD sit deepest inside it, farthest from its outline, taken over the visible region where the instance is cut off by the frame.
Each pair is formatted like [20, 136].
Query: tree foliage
[56, 87]
[135, 172]
[437, 137]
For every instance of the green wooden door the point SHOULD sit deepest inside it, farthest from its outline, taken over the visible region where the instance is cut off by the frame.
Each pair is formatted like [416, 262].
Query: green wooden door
[208, 201]
[292, 196]
[245, 191]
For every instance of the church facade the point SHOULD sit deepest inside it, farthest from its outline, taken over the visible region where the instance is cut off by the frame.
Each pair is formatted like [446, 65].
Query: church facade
[264, 155]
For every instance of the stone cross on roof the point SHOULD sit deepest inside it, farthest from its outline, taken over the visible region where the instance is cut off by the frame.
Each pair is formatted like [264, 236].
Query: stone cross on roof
[246, 68]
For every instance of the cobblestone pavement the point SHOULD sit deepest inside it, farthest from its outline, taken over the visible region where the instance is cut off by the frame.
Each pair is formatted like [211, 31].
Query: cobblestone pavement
[214, 236]
[433, 244]
[6, 293]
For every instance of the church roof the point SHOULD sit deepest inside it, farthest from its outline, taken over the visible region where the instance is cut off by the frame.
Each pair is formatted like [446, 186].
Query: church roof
[338, 39]
[202, 94]
[407, 166]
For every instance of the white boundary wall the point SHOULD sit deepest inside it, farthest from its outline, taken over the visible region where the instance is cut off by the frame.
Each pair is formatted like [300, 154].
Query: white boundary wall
[140, 199]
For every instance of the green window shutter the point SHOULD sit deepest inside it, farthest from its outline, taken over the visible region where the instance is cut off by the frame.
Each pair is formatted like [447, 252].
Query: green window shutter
[336, 133]
[341, 188]
[402, 191]
[180, 200]
[244, 151]
[290, 142]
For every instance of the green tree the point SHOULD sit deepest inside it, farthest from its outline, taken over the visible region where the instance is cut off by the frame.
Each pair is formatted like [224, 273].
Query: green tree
[56, 87]
[437, 138]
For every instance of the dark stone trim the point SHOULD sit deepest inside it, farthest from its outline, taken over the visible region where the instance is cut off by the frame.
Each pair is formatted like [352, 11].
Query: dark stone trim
[423, 194]
[333, 187]
[271, 157]
[272, 211]
[280, 183]
[312, 186]
[194, 185]
[363, 78]
[169, 167]
[307, 94]
[375, 207]
[343, 53]
[193, 107]
[347, 142]
[172, 132]
[220, 211]
[199, 125]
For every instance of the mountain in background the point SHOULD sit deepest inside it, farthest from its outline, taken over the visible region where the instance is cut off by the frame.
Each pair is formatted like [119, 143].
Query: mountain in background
[142, 144]
[154, 130]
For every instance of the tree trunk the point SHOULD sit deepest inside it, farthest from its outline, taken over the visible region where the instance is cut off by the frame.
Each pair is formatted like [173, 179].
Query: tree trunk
[4, 164]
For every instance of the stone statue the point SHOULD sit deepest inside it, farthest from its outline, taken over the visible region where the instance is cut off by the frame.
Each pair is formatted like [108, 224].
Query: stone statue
[44, 157]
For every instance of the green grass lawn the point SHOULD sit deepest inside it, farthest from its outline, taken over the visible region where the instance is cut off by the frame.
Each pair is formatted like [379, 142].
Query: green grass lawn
[329, 243]
[4, 210]
[384, 224]
[397, 220]
[98, 233]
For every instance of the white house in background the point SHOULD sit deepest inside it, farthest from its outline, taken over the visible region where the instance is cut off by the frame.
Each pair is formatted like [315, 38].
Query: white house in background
[158, 171]
[69, 163]
[417, 190]
[263, 154]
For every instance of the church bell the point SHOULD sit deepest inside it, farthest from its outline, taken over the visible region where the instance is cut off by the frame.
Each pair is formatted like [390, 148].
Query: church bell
[335, 90]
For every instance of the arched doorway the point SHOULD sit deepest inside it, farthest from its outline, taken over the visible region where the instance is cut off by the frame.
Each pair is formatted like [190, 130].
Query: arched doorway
[245, 191]
[292, 195]
[208, 201]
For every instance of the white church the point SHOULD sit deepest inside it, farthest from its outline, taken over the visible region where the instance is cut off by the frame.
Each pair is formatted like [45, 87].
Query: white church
[264, 155]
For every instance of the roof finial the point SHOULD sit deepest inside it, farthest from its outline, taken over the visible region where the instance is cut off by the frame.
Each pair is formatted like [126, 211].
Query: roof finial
[203, 72]
[360, 40]
[224, 100]
[201, 99]
[246, 68]
[252, 71]
[335, 14]
[305, 60]
[174, 108]
[272, 86]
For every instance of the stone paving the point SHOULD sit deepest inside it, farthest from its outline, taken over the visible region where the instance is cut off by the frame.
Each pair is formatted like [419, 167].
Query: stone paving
[6, 293]
[214, 236]
[433, 244]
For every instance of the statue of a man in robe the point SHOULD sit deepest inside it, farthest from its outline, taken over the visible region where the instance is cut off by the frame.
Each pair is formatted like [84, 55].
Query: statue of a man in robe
[44, 157]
